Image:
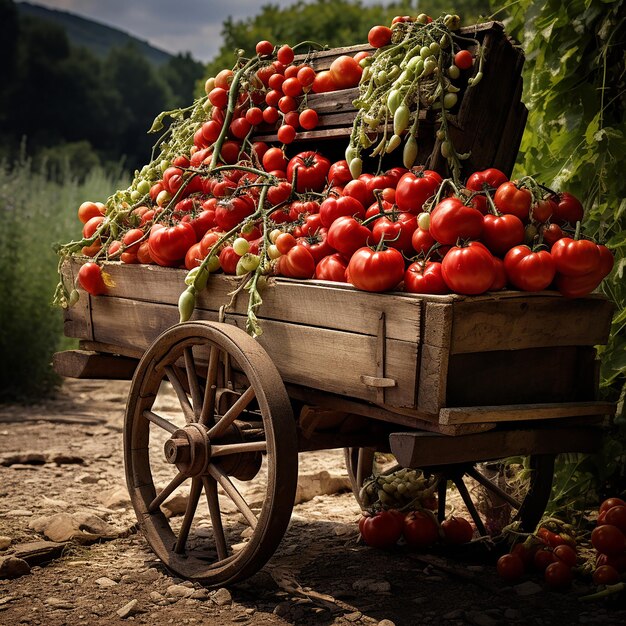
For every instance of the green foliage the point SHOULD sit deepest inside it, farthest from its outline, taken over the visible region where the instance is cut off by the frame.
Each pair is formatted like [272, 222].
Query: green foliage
[34, 213]
[576, 94]
[334, 23]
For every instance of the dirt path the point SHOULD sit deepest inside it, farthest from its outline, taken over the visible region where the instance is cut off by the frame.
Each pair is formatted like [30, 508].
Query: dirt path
[65, 457]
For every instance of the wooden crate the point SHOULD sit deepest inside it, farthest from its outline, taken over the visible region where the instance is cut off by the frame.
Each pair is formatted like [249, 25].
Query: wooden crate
[446, 360]
[487, 122]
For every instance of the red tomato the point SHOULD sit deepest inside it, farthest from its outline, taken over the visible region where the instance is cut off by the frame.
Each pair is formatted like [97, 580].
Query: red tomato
[264, 48]
[499, 282]
[379, 36]
[451, 220]
[510, 567]
[568, 210]
[292, 87]
[224, 78]
[413, 190]
[317, 244]
[279, 193]
[286, 134]
[345, 72]
[358, 189]
[608, 539]
[169, 244]
[510, 199]
[230, 152]
[616, 561]
[609, 503]
[208, 241]
[339, 173]
[308, 119]
[306, 75]
[463, 59]
[606, 575]
[457, 530]
[422, 241]
[312, 169]
[311, 224]
[502, 232]
[376, 270]
[542, 210]
[490, 178]
[297, 263]
[397, 231]
[332, 267]
[232, 211]
[346, 235]
[92, 225]
[381, 530]
[285, 55]
[274, 159]
[567, 554]
[323, 82]
[87, 210]
[91, 280]
[528, 270]
[575, 257]
[558, 575]
[332, 208]
[194, 257]
[542, 558]
[469, 270]
[218, 97]
[143, 253]
[132, 238]
[284, 242]
[420, 529]
[425, 277]
[551, 234]
[228, 260]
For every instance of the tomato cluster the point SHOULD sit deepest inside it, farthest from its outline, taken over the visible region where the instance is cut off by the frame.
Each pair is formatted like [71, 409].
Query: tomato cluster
[609, 540]
[419, 529]
[548, 553]
[324, 224]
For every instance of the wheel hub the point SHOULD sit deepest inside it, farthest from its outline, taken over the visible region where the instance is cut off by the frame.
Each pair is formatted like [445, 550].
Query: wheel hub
[189, 448]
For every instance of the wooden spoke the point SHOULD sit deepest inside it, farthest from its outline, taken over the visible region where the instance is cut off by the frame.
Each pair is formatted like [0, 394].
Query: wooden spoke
[239, 448]
[163, 495]
[467, 499]
[194, 385]
[190, 511]
[488, 484]
[210, 487]
[232, 414]
[233, 494]
[172, 376]
[442, 491]
[207, 415]
[160, 421]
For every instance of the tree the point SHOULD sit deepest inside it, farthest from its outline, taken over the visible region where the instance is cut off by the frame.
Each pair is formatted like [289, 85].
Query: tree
[181, 73]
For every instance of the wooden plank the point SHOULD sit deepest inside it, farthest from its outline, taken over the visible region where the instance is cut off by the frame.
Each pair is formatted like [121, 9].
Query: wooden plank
[330, 360]
[89, 364]
[525, 323]
[417, 449]
[108, 348]
[394, 415]
[431, 390]
[517, 412]
[299, 302]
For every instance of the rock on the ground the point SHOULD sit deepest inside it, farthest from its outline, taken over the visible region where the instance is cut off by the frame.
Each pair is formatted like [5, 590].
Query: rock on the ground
[5, 542]
[480, 619]
[12, 567]
[67, 459]
[176, 505]
[59, 603]
[320, 484]
[105, 582]
[527, 588]
[132, 608]
[222, 597]
[116, 498]
[179, 591]
[82, 527]
[25, 458]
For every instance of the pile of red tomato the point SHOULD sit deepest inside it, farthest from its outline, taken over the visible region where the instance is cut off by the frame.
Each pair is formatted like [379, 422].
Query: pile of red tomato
[554, 554]
[419, 529]
[399, 229]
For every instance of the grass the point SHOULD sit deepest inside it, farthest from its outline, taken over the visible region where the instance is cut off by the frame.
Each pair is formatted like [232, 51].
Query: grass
[35, 213]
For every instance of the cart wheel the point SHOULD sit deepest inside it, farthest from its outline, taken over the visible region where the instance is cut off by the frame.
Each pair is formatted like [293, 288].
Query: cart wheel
[184, 434]
[527, 504]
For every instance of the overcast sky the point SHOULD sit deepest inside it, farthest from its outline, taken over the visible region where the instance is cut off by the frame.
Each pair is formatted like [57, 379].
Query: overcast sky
[172, 25]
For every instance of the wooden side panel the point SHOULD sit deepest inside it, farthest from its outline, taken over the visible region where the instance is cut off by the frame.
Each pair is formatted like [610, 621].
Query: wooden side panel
[288, 300]
[325, 359]
[519, 323]
[88, 364]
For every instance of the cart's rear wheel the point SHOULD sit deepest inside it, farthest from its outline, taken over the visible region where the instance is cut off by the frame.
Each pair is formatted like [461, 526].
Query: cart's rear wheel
[187, 424]
[526, 504]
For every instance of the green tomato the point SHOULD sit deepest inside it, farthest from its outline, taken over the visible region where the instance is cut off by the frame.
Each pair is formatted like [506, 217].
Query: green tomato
[435, 48]
[143, 187]
[274, 234]
[135, 196]
[423, 220]
[449, 100]
[273, 252]
[454, 72]
[241, 246]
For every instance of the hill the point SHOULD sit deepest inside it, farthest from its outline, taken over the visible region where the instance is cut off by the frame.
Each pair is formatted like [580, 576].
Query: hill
[92, 35]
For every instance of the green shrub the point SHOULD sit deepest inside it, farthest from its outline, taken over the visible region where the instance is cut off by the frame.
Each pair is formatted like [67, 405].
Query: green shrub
[36, 212]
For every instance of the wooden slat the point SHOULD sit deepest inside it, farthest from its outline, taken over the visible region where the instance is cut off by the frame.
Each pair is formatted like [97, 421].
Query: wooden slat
[519, 323]
[326, 359]
[299, 302]
[433, 373]
[89, 364]
[415, 449]
[517, 412]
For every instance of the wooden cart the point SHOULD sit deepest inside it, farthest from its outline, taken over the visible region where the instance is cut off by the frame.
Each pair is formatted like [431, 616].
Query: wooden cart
[443, 382]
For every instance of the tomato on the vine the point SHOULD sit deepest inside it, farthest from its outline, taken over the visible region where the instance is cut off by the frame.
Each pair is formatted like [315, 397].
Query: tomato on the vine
[91, 280]
[489, 178]
[452, 220]
[346, 235]
[311, 168]
[568, 210]
[575, 257]
[470, 269]
[502, 232]
[608, 539]
[413, 190]
[510, 567]
[332, 267]
[297, 263]
[457, 530]
[509, 198]
[425, 277]
[376, 270]
[420, 529]
[528, 270]
[381, 530]
[558, 575]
